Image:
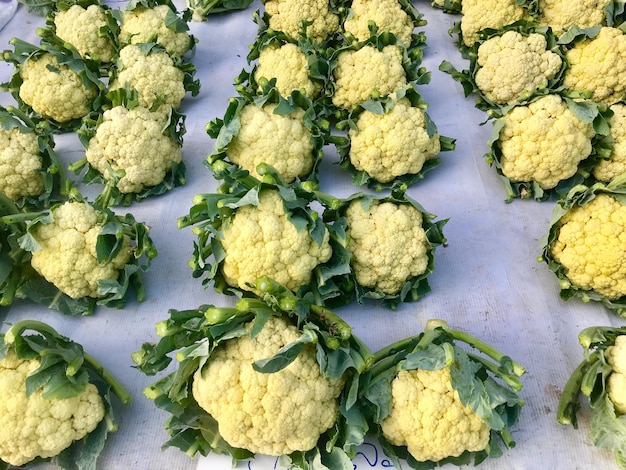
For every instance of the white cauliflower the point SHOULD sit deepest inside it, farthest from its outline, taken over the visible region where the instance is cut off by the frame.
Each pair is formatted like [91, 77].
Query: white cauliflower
[270, 413]
[478, 15]
[393, 144]
[615, 165]
[561, 15]
[616, 384]
[20, 164]
[388, 16]
[288, 16]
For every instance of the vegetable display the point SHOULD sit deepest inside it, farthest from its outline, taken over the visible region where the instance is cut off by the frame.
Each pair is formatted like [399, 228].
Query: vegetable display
[48, 378]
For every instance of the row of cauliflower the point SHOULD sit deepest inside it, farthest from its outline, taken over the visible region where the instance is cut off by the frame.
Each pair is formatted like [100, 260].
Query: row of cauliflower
[551, 77]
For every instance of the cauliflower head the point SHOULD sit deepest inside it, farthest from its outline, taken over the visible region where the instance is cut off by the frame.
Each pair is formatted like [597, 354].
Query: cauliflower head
[33, 426]
[262, 241]
[512, 65]
[20, 164]
[287, 16]
[615, 165]
[387, 243]
[543, 142]
[133, 140]
[67, 256]
[478, 15]
[389, 145]
[388, 16]
[616, 384]
[598, 64]
[81, 27]
[153, 75]
[365, 72]
[289, 65]
[592, 247]
[276, 413]
[561, 15]
[53, 90]
[427, 417]
[149, 25]
[282, 141]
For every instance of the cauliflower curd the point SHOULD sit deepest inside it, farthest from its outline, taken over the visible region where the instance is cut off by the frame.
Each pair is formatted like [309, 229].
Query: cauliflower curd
[616, 383]
[607, 169]
[389, 145]
[478, 15]
[133, 140]
[543, 142]
[288, 16]
[270, 413]
[81, 27]
[367, 72]
[591, 245]
[67, 255]
[561, 15]
[427, 417]
[512, 65]
[387, 243]
[53, 90]
[33, 426]
[598, 65]
[262, 241]
[20, 164]
[388, 16]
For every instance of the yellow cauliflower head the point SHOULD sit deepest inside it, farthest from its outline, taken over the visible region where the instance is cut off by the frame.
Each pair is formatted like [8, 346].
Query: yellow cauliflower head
[20, 164]
[607, 169]
[67, 255]
[427, 417]
[262, 241]
[478, 15]
[543, 142]
[81, 28]
[133, 140]
[388, 16]
[289, 65]
[153, 75]
[149, 25]
[561, 16]
[274, 413]
[287, 16]
[282, 141]
[33, 426]
[387, 243]
[361, 74]
[55, 91]
[592, 247]
[598, 65]
[512, 65]
[394, 144]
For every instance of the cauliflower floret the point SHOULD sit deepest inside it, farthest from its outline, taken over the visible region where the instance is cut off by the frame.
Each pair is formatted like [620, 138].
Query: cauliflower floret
[591, 245]
[388, 16]
[366, 72]
[133, 140]
[261, 240]
[20, 164]
[388, 244]
[287, 16]
[561, 15]
[389, 145]
[67, 256]
[55, 91]
[289, 66]
[273, 414]
[616, 384]
[598, 64]
[478, 15]
[153, 75]
[615, 165]
[33, 426]
[512, 65]
[282, 141]
[427, 417]
[81, 27]
[149, 25]
[543, 142]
